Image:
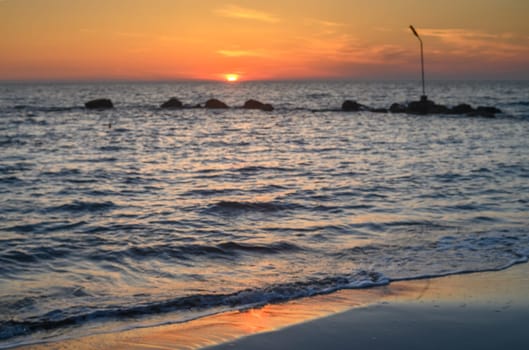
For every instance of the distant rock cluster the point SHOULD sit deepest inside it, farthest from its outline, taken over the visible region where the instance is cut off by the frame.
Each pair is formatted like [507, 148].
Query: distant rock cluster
[215, 104]
[174, 103]
[253, 104]
[421, 107]
[424, 107]
[101, 103]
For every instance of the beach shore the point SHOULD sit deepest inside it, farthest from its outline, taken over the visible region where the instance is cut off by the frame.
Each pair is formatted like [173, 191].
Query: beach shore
[472, 311]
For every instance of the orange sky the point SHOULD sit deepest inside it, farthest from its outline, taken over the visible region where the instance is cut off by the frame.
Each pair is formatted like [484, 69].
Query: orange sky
[261, 39]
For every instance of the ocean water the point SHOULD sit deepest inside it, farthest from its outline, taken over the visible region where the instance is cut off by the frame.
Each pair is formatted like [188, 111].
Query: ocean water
[139, 216]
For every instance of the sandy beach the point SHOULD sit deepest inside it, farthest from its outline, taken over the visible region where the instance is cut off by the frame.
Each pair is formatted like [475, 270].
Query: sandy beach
[483, 310]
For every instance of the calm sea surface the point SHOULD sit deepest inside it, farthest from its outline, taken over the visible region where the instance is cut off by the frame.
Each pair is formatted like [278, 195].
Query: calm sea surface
[166, 216]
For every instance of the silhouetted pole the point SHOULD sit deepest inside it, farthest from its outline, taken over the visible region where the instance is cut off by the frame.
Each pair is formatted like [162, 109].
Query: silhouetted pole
[423, 97]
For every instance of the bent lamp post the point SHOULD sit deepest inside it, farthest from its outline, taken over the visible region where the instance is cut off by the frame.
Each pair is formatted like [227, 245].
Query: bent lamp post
[423, 97]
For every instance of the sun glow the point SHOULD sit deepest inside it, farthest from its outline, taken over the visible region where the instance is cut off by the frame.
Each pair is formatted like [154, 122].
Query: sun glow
[232, 77]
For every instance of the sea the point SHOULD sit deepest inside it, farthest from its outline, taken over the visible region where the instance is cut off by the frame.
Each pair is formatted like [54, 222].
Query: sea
[139, 216]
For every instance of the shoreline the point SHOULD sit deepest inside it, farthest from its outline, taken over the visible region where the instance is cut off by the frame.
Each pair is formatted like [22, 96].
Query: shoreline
[332, 319]
[489, 310]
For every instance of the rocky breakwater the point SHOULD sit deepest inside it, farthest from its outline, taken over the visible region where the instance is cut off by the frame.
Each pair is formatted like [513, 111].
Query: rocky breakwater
[425, 107]
[353, 106]
[215, 104]
[100, 103]
[254, 104]
[172, 103]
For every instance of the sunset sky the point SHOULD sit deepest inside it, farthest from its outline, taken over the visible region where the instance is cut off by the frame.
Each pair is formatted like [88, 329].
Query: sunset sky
[262, 39]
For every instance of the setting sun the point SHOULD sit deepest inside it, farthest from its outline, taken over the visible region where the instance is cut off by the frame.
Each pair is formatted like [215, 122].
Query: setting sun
[232, 77]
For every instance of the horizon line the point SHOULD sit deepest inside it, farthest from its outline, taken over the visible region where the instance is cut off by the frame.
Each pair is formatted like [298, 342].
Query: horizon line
[308, 79]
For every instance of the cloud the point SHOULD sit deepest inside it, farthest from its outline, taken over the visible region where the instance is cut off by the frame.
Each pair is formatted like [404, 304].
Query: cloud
[324, 27]
[243, 53]
[324, 23]
[345, 48]
[235, 11]
[463, 42]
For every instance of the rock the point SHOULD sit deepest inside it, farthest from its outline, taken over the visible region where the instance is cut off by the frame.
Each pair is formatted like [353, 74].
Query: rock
[378, 110]
[425, 106]
[267, 107]
[253, 104]
[172, 103]
[216, 104]
[397, 108]
[418, 107]
[439, 109]
[352, 106]
[481, 114]
[489, 110]
[101, 103]
[462, 108]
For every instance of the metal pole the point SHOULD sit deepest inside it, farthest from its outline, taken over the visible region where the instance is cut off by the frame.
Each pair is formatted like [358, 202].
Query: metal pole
[423, 97]
[422, 68]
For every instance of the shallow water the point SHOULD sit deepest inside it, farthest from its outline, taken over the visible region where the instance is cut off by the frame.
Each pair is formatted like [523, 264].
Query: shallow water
[167, 216]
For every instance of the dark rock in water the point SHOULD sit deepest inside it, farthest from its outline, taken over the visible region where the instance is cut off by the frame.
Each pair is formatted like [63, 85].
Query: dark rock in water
[491, 110]
[425, 106]
[418, 107]
[172, 103]
[352, 106]
[253, 104]
[267, 107]
[101, 103]
[462, 108]
[397, 108]
[440, 109]
[487, 112]
[378, 110]
[216, 104]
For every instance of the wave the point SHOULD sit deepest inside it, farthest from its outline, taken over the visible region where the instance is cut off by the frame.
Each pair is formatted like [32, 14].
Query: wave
[519, 103]
[210, 192]
[225, 250]
[110, 148]
[274, 248]
[237, 207]
[318, 95]
[15, 257]
[62, 173]
[20, 260]
[12, 181]
[375, 258]
[75, 317]
[12, 141]
[44, 109]
[259, 169]
[83, 206]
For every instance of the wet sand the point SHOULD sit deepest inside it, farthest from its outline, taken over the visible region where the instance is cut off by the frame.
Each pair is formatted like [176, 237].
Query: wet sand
[473, 311]
[490, 313]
